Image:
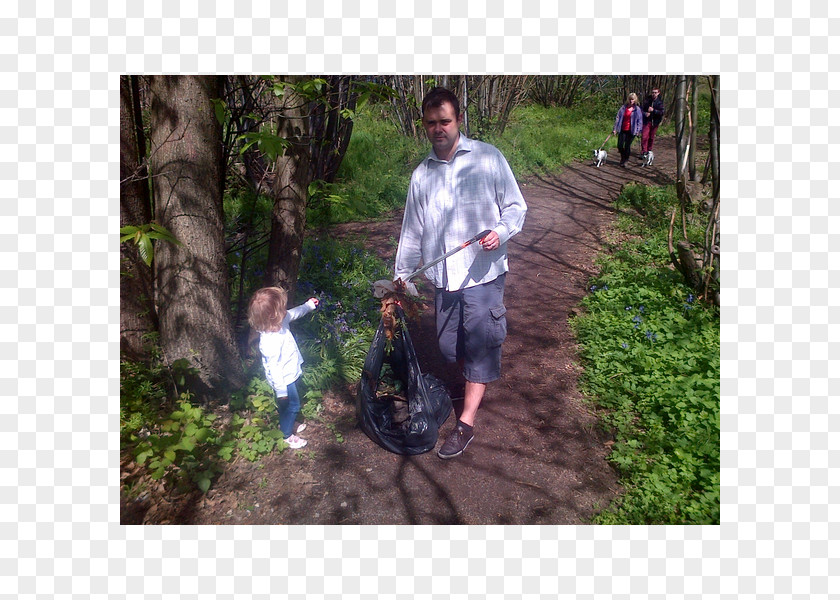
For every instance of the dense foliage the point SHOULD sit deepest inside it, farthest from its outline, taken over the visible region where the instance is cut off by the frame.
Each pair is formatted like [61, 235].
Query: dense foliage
[336, 339]
[652, 357]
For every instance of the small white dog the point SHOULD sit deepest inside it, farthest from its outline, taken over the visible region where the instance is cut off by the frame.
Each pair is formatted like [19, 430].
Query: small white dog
[599, 156]
[647, 157]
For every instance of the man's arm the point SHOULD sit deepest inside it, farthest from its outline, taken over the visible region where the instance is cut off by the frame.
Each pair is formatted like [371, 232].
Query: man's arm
[512, 205]
[659, 107]
[409, 249]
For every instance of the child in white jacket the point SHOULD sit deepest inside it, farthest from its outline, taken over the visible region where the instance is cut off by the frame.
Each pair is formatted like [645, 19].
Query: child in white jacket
[281, 357]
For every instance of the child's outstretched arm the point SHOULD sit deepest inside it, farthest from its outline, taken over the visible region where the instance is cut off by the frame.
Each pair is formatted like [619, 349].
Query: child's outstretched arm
[305, 308]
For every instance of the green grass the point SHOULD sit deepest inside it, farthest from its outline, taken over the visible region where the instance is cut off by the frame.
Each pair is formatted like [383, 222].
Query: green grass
[651, 353]
[373, 176]
[539, 140]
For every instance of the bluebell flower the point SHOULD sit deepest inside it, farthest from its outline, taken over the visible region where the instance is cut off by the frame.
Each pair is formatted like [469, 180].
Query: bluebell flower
[624, 345]
[641, 309]
[690, 298]
[637, 319]
[593, 288]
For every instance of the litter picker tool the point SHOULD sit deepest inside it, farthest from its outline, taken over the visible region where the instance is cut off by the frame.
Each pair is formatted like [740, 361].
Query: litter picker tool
[472, 240]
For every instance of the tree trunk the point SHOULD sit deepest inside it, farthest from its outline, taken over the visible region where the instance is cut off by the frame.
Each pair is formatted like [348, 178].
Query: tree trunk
[682, 137]
[714, 136]
[494, 97]
[329, 131]
[466, 104]
[712, 283]
[691, 265]
[192, 295]
[692, 167]
[137, 315]
[292, 178]
[404, 104]
[701, 272]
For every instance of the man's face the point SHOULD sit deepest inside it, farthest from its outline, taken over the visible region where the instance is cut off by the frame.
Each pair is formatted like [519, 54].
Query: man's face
[655, 93]
[442, 129]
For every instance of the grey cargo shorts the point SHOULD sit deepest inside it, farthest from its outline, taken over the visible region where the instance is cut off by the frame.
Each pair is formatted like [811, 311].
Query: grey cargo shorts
[471, 327]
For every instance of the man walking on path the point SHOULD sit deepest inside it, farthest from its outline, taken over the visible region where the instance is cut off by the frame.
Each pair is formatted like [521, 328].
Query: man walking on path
[462, 187]
[652, 110]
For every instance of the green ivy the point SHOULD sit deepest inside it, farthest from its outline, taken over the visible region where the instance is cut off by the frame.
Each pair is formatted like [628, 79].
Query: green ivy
[651, 352]
[180, 447]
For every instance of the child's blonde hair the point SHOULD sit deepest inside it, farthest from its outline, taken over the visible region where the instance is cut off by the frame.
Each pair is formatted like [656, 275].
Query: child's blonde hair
[267, 309]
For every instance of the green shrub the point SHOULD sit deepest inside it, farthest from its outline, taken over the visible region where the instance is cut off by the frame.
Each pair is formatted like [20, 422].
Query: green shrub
[182, 443]
[651, 353]
[336, 338]
[183, 446]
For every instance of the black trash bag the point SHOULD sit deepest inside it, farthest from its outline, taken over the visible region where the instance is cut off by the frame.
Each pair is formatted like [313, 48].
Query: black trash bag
[407, 426]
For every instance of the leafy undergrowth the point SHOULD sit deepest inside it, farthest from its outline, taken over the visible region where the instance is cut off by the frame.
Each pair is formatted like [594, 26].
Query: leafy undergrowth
[171, 443]
[182, 444]
[651, 353]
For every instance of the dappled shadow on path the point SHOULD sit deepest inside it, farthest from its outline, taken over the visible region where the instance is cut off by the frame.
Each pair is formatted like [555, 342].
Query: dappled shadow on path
[539, 456]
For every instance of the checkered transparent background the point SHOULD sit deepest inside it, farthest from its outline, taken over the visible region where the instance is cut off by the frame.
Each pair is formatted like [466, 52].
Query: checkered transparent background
[59, 312]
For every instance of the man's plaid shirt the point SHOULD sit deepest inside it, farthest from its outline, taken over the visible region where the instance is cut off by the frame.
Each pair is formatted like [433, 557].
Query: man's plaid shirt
[450, 202]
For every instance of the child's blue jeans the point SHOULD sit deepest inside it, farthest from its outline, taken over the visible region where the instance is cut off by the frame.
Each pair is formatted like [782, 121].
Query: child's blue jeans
[287, 409]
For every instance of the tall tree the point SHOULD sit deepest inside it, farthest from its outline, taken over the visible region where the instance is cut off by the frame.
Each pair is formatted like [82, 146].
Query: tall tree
[699, 263]
[556, 90]
[289, 190]
[330, 125]
[192, 297]
[490, 99]
[315, 125]
[712, 240]
[681, 124]
[494, 97]
[404, 108]
[692, 142]
[137, 315]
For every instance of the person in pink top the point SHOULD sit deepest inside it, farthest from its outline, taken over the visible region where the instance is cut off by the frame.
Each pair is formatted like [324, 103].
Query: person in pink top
[628, 124]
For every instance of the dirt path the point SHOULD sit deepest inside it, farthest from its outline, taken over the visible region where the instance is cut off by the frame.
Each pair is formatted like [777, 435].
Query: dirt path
[538, 457]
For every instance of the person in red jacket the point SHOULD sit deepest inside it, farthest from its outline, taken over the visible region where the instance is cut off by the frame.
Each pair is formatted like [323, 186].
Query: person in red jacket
[628, 124]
